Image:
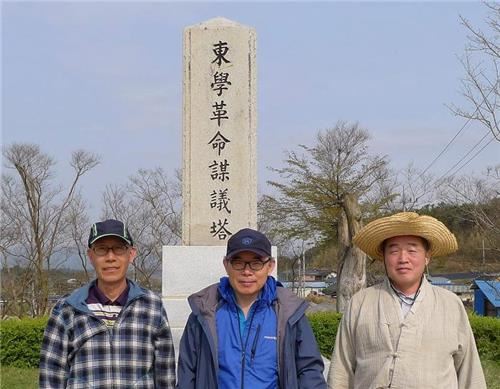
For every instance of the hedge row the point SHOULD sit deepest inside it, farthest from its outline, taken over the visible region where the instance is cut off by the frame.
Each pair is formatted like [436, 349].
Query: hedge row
[486, 332]
[324, 326]
[20, 340]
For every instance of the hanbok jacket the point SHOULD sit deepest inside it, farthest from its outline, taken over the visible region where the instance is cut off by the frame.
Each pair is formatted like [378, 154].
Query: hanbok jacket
[432, 347]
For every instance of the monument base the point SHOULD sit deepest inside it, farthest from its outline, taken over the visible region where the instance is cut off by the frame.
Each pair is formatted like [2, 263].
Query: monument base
[186, 270]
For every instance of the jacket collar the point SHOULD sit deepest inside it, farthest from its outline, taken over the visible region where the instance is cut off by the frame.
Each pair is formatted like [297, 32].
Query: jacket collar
[77, 297]
[266, 296]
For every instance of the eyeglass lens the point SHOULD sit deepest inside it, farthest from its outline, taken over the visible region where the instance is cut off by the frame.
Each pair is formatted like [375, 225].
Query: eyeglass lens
[103, 250]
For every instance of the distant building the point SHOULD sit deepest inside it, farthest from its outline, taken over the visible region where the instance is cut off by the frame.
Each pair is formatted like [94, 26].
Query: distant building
[461, 290]
[315, 287]
[487, 298]
[316, 274]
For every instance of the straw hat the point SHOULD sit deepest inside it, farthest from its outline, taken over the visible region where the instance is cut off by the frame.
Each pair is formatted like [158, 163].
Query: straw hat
[370, 237]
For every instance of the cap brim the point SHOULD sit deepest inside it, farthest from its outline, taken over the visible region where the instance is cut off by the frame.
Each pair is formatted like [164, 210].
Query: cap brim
[105, 235]
[260, 253]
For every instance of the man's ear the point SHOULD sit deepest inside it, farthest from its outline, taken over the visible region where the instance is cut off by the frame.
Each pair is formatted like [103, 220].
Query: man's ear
[133, 254]
[427, 261]
[90, 256]
[272, 264]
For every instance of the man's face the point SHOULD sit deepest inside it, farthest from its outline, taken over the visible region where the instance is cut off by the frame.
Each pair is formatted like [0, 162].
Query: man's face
[111, 267]
[405, 259]
[247, 283]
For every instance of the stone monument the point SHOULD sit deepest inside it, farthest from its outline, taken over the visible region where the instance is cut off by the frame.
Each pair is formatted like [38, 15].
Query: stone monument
[219, 159]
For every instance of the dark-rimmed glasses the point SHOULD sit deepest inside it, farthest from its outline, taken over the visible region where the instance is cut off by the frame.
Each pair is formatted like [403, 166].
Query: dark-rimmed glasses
[101, 251]
[239, 265]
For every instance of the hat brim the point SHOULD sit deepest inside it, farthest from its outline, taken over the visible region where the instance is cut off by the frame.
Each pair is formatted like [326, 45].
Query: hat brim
[260, 253]
[370, 238]
[105, 235]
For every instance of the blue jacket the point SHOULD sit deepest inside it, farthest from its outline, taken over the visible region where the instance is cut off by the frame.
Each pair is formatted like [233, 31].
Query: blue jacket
[80, 351]
[247, 347]
[300, 365]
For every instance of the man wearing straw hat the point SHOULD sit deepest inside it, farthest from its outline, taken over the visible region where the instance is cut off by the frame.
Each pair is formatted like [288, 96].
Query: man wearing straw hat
[405, 333]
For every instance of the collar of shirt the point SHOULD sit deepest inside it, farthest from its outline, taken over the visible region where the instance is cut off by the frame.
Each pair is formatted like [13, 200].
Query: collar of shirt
[408, 303]
[97, 296]
[406, 299]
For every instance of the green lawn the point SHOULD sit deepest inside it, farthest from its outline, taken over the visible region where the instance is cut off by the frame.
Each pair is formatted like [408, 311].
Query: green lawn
[15, 378]
[492, 374]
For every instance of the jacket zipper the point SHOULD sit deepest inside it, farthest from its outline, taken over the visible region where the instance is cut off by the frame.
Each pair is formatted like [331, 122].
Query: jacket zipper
[254, 345]
[278, 339]
[244, 346]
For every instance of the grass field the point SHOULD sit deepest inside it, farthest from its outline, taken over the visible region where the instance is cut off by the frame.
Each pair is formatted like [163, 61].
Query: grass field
[14, 378]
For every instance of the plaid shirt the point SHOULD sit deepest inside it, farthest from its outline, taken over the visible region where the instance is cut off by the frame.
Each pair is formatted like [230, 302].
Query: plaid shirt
[79, 351]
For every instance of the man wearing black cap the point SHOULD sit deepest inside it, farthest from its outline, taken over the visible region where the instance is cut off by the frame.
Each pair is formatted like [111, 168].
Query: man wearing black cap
[110, 333]
[247, 331]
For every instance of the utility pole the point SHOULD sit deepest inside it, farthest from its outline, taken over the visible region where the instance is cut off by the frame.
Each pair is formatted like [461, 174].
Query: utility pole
[404, 200]
[483, 254]
[299, 279]
[483, 251]
[303, 272]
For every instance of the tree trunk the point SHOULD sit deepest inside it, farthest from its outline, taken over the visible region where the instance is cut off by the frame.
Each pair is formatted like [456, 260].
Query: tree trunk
[352, 261]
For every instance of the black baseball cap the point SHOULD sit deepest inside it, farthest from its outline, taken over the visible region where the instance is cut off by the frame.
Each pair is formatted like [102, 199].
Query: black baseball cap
[109, 227]
[248, 240]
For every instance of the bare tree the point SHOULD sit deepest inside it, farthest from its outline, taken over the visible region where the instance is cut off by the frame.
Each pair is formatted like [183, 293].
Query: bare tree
[36, 209]
[150, 205]
[481, 84]
[321, 193]
[16, 274]
[78, 225]
[479, 198]
[409, 190]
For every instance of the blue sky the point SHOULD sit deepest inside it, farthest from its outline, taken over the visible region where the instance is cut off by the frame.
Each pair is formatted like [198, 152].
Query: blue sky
[107, 77]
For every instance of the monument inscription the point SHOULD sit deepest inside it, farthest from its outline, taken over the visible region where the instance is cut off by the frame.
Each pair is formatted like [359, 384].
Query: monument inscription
[219, 142]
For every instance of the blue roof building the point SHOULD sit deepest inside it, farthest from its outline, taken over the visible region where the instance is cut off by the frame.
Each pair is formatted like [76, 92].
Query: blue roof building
[487, 298]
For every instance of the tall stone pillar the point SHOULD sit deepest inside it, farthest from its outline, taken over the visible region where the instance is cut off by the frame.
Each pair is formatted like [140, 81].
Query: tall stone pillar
[219, 159]
[219, 138]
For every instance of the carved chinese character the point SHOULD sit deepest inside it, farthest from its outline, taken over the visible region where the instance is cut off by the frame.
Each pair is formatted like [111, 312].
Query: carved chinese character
[219, 113]
[219, 170]
[221, 82]
[218, 142]
[219, 229]
[220, 50]
[220, 200]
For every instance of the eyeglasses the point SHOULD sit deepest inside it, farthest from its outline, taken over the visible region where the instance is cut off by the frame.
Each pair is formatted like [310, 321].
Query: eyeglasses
[101, 251]
[253, 265]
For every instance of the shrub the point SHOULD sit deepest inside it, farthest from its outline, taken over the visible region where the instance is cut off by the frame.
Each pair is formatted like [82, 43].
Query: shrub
[324, 326]
[487, 334]
[20, 341]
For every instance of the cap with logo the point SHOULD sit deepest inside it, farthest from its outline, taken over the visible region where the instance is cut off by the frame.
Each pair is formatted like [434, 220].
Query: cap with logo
[109, 227]
[248, 240]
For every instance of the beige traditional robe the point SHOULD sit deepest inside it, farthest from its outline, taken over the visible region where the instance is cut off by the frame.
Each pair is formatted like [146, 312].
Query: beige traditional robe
[432, 348]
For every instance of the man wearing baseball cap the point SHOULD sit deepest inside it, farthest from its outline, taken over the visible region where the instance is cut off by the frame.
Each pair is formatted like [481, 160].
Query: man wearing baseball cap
[111, 333]
[247, 331]
[404, 332]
